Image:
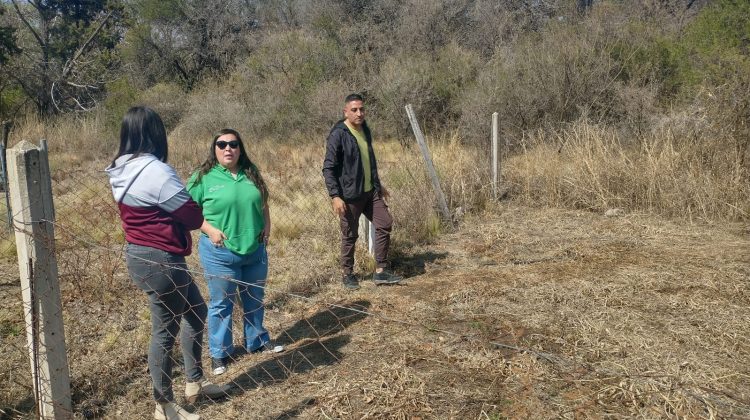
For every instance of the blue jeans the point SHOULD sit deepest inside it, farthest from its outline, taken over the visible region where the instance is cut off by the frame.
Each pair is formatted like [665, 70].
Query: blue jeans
[229, 276]
[173, 298]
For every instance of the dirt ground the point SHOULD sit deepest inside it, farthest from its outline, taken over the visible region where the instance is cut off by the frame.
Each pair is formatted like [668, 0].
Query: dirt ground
[520, 313]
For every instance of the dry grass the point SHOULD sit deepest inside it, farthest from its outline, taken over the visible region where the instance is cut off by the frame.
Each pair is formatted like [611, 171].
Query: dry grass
[634, 316]
[672, 171]
[520, 313]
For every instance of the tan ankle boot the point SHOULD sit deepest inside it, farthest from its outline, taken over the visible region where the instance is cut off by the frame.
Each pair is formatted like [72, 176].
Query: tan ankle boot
[205, 388]
[173, 411]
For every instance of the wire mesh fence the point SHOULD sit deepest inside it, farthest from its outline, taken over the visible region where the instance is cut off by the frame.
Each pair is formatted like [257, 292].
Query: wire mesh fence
[107, 319]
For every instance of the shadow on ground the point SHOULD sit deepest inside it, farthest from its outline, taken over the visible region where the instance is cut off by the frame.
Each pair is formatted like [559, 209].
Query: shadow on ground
[295, 411]
[329, 321]
[414, 265]
[312, 342]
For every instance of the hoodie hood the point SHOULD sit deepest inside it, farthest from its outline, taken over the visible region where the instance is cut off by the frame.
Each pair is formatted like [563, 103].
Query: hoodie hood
[125, 171]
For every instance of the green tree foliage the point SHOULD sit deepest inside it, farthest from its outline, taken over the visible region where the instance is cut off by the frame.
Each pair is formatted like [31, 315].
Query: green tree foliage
[8, 46]
[68, 51]
[716, 45]
[280, 67]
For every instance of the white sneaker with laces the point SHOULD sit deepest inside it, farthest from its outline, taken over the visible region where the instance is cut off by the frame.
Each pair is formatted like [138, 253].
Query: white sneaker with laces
[269, 347]
[273, 348]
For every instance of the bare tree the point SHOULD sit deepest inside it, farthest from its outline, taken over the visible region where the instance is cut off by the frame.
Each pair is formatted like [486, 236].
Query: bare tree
[67, 52]
[184, 40]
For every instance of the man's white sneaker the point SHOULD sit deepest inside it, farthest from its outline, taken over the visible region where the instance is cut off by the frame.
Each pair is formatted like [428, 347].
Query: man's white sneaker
[269, 347]
[219, 366]
[205, 388]
[173, 411]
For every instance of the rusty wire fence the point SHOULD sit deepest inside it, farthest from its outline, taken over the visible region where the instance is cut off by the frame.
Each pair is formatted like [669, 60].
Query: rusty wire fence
[106, 318]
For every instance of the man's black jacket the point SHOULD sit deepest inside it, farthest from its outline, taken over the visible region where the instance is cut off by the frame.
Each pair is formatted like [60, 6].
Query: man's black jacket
[342, 167]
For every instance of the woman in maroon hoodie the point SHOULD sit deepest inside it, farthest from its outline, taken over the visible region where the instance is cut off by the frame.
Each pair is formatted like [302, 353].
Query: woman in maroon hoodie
[157, 215]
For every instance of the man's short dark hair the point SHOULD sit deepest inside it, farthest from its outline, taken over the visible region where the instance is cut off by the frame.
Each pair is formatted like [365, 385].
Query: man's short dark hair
[353, 97]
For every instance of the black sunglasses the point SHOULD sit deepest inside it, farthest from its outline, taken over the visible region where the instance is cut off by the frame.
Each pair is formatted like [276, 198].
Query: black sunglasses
[221, 144]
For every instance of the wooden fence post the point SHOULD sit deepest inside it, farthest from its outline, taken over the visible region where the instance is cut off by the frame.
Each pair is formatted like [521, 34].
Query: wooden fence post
[4, 169]
[495, 155]
[428, 162]
[31, 200]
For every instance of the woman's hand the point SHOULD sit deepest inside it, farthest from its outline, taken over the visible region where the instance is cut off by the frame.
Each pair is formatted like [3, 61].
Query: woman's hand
[216, 236]
[265, 235]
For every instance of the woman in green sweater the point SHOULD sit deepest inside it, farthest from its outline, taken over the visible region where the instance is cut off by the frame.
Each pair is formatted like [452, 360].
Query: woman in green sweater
[236, 227]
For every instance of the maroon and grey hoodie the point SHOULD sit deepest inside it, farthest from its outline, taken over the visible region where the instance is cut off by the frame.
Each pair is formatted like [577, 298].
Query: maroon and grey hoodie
[155, 208]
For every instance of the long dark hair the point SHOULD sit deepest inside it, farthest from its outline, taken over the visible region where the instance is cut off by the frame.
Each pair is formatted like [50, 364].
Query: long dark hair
[244, 163]
[142, 131]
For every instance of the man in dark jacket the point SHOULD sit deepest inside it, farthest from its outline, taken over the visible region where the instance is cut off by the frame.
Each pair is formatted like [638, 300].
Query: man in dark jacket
[351, 175]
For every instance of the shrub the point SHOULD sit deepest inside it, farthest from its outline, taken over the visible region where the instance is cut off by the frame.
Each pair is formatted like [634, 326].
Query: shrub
[282, 81]
[208, 109]
[552, 77]
[716, 44]
[169, 100]
[604, 68]
[121, 95]
[727, 109]
[432, 84]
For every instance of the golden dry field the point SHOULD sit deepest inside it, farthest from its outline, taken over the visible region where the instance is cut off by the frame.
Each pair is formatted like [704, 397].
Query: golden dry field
[518, 311]
[606, 275]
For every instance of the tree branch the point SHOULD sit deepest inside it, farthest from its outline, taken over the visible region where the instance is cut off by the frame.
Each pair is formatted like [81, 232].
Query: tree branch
[52, 96]
[26, 22]
[175, 62]
[72, 61]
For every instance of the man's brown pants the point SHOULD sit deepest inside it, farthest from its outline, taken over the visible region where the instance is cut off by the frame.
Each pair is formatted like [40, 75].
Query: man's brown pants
[372, 205]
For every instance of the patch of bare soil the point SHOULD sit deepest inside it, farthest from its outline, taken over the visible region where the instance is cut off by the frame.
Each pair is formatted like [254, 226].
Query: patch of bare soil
[521, 313]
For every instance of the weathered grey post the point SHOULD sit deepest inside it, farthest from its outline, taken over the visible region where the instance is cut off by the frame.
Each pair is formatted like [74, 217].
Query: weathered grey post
[495, 156]
[31, 199]
[428, 162]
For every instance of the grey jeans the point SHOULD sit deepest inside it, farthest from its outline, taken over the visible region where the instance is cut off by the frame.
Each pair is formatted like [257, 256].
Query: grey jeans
[173, 298]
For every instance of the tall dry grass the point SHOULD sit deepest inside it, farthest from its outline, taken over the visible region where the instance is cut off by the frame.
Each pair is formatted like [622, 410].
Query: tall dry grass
[74, 141]
[304, 229]
[674, 171]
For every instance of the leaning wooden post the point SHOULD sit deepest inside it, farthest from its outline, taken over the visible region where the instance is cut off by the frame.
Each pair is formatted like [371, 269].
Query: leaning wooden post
[31, 200]
[428, 162]
[494, 155]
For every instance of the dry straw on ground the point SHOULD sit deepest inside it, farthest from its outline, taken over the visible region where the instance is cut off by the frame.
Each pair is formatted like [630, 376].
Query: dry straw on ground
[520, 313]
[524, 313]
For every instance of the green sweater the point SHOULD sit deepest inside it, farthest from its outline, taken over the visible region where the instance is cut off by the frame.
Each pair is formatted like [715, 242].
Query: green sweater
[234, 206]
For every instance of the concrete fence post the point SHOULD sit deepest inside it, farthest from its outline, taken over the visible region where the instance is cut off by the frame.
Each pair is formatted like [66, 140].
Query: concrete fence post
[33, 217]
